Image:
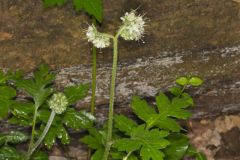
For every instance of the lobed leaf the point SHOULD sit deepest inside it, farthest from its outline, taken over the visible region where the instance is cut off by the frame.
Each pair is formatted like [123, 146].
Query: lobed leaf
[178, 147]
[56, 131]
[75, 93]
[124, 124]
[148, 141]
[77, 120]
[13, 137]
[141, 108]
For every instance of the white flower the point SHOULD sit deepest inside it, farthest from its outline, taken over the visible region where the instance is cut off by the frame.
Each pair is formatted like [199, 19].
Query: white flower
[98, 39]
[133, 26]
[58, 103]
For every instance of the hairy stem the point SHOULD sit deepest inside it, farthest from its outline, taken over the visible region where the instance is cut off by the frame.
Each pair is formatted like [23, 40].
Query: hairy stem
[111, 101]
[94, 79]
[33, 128]
[45, 131]
[94, 82]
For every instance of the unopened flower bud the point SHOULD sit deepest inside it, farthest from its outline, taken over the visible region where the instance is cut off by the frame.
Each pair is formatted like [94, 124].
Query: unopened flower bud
[58, 103]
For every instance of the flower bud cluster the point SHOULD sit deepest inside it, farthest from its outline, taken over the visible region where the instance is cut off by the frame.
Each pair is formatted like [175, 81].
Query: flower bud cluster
[58, 103]
[131, 29]
[98, 39]
[133, 26]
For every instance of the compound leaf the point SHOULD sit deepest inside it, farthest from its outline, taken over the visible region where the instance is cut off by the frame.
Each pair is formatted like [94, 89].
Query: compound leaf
[146, 140]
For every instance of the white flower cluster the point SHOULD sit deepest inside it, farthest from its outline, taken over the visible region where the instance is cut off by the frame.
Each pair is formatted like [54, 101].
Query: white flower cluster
[133, 26]
[58, 103]
[98, 39]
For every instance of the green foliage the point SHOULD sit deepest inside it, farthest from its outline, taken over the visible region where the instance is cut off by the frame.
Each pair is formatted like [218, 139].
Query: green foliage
[95, 140]
[13, 137]
[189, 80]
[7, 93]
[192, 152]
[75, 93]
[178, 147]
[92, 7]
[40, 155]
[149, 142]
[38, 86]
[39, 89]
[10, 153]
[157, 136]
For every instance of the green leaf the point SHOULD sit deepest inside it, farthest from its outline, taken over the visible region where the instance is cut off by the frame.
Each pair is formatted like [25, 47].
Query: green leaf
[141, 108]
[184, 101]
[7, 92]
[50, 3]
[94, 140]
[168, 123]
[23, 109]
[176, 91]
[10, 153]
[77, 120]
[182, 81]
[166, 109]
[3, 77]
[163, 102]
[149, 141]
[4, 107]
[20, 121]
[124, 124]
[92, 7]
[98, 155]
[179, 144]
[195, 81]
[40, 155]
[13, 137]
[56, 132]
[38, 86]
[75, 93]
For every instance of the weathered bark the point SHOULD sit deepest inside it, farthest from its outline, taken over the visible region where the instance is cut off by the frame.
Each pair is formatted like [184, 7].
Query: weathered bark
[200, 37]
[30, 34]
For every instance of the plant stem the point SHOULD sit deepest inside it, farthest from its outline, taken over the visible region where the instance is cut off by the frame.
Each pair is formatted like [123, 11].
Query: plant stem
[33, 128]
[94, 82]
[128, 155]
[45, 131]
[111, 101]
[94, 79]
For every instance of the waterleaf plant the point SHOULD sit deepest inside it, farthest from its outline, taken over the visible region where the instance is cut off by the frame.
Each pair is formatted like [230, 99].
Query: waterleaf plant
[94, 8]
[155, 135]
[49, 112]
[131, 29]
